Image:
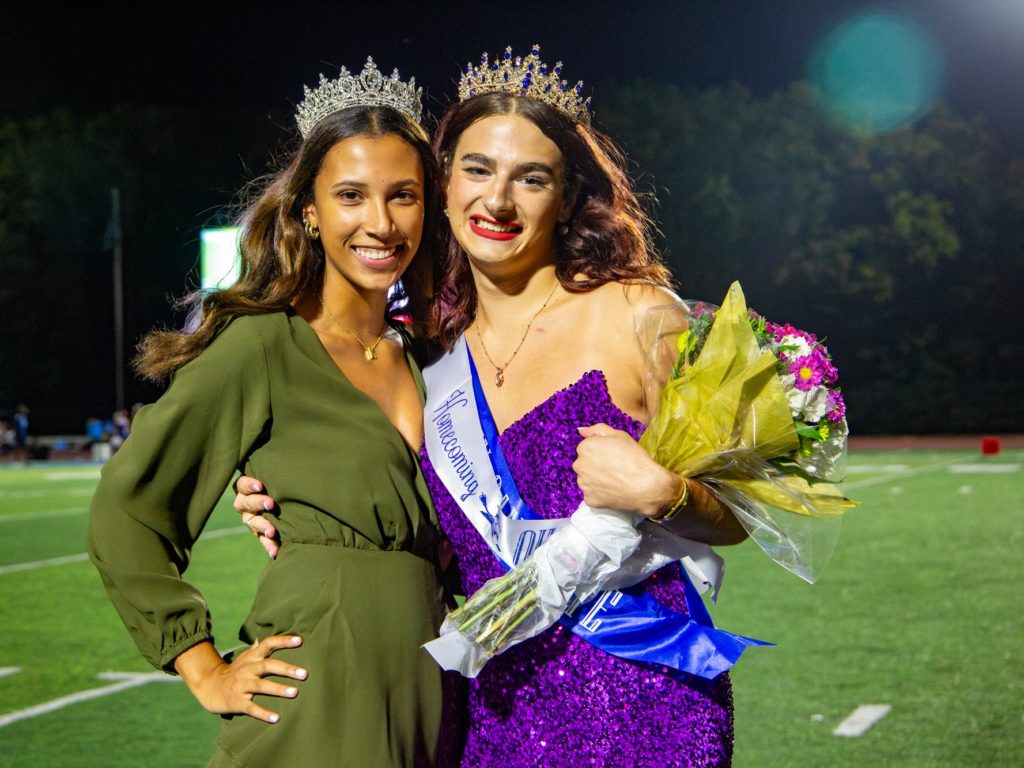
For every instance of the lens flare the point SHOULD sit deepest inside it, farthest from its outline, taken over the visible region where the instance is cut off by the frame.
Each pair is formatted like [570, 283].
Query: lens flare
[877, 72]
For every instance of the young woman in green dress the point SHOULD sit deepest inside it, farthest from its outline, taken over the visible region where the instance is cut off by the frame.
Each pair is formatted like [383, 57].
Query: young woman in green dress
[299, 374]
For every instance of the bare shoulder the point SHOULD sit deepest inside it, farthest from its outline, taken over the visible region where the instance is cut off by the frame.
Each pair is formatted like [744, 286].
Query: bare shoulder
[628, 296]
[621, 303]
[643, 296]
[614, 314]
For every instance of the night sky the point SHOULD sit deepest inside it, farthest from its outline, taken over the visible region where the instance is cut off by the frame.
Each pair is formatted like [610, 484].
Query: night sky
[249, 66]
[212, 57]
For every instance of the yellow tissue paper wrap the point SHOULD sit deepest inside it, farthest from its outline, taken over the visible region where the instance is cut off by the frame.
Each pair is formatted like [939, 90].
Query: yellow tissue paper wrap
[726, 420]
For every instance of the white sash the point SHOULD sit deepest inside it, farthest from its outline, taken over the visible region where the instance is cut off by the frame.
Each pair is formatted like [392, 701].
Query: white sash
[459, 455]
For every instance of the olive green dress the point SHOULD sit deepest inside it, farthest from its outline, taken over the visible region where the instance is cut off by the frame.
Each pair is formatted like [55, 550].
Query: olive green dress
[356, 575]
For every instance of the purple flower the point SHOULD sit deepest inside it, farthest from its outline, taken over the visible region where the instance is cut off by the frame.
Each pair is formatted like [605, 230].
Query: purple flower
[836, 406]
[828, 371]
[808, 372]
[781, 331]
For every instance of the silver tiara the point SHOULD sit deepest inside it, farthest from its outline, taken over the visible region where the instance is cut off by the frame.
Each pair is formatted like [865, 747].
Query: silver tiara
[368, 89]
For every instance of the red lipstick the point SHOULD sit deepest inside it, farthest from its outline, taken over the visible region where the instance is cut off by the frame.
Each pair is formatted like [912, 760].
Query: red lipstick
[509, 229]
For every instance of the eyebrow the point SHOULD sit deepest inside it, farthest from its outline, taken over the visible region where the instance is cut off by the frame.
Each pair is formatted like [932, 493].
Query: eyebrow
[476, 157]
[364, 185]
[488, 162]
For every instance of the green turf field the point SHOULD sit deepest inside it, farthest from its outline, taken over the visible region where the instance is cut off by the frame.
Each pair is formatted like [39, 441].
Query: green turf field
[917, 611]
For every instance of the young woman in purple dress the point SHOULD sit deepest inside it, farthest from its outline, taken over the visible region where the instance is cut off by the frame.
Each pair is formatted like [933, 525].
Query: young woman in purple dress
[548, 268]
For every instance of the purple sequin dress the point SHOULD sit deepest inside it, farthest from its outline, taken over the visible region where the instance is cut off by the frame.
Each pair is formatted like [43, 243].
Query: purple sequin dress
[556, 700]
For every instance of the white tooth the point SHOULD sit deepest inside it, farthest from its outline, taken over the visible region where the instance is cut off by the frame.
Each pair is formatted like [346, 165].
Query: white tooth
[376, 254]
[495, 227]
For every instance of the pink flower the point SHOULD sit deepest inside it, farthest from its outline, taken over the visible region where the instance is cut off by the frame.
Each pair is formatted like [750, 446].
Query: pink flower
[808, 372]
[779, 332]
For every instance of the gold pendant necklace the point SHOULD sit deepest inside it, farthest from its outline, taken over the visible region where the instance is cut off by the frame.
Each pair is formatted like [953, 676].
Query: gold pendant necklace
[369, 352]
[499, 375]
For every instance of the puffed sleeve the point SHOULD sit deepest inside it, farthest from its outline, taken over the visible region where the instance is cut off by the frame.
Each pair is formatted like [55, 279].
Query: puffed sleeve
[157, 492]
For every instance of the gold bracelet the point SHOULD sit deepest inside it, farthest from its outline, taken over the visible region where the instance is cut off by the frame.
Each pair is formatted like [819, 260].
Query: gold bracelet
[677, 507]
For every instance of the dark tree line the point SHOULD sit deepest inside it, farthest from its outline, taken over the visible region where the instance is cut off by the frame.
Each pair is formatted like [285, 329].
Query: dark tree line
[903, 249]
[176, 172]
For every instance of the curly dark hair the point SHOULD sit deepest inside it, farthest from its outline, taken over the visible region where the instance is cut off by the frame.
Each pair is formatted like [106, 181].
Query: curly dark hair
[280, 264]
[610, 236]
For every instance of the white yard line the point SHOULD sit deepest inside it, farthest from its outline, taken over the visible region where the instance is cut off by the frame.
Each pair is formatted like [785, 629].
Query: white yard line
[17, 567]
[40, 494]
[222, 532]
[8, 671]
[77, 558]
[983, 469]
[863, 717]
[124, 682]
[43, 514]
[81, 474]
[874, 469]
[23, 494]
[869, 481]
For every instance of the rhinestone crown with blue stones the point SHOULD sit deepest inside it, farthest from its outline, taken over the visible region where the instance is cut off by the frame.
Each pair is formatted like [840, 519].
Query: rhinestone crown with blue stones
[529, 77]
[367, 89]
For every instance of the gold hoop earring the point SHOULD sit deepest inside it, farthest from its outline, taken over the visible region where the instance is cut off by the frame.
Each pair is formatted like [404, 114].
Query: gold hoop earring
[563, 228]
[313, 232]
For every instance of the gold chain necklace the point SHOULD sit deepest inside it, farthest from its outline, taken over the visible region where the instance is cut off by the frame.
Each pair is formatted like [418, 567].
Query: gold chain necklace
[499, 375]
[369, 352]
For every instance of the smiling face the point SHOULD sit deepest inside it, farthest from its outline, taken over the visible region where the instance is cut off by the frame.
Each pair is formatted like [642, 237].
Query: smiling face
[506, 192]
[368, 203]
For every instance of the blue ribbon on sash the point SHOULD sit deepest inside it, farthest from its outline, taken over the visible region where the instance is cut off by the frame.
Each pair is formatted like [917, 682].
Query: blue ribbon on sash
[628, 623]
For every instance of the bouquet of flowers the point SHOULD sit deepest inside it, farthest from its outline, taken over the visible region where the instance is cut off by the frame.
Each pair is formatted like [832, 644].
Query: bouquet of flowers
[753, 408]
[749, 407]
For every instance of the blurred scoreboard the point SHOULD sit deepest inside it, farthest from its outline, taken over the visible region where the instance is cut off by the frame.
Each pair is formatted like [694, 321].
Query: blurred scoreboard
[219, 258]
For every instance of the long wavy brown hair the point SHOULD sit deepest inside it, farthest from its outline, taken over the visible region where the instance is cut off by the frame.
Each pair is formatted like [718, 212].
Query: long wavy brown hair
[610, 236]
[280, 264]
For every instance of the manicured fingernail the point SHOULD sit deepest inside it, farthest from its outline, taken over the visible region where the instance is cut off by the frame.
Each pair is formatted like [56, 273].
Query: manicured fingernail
[301, 674]
[267, 506]
[296, 640]
[274, 718]
[257, 487]
[291, 691]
